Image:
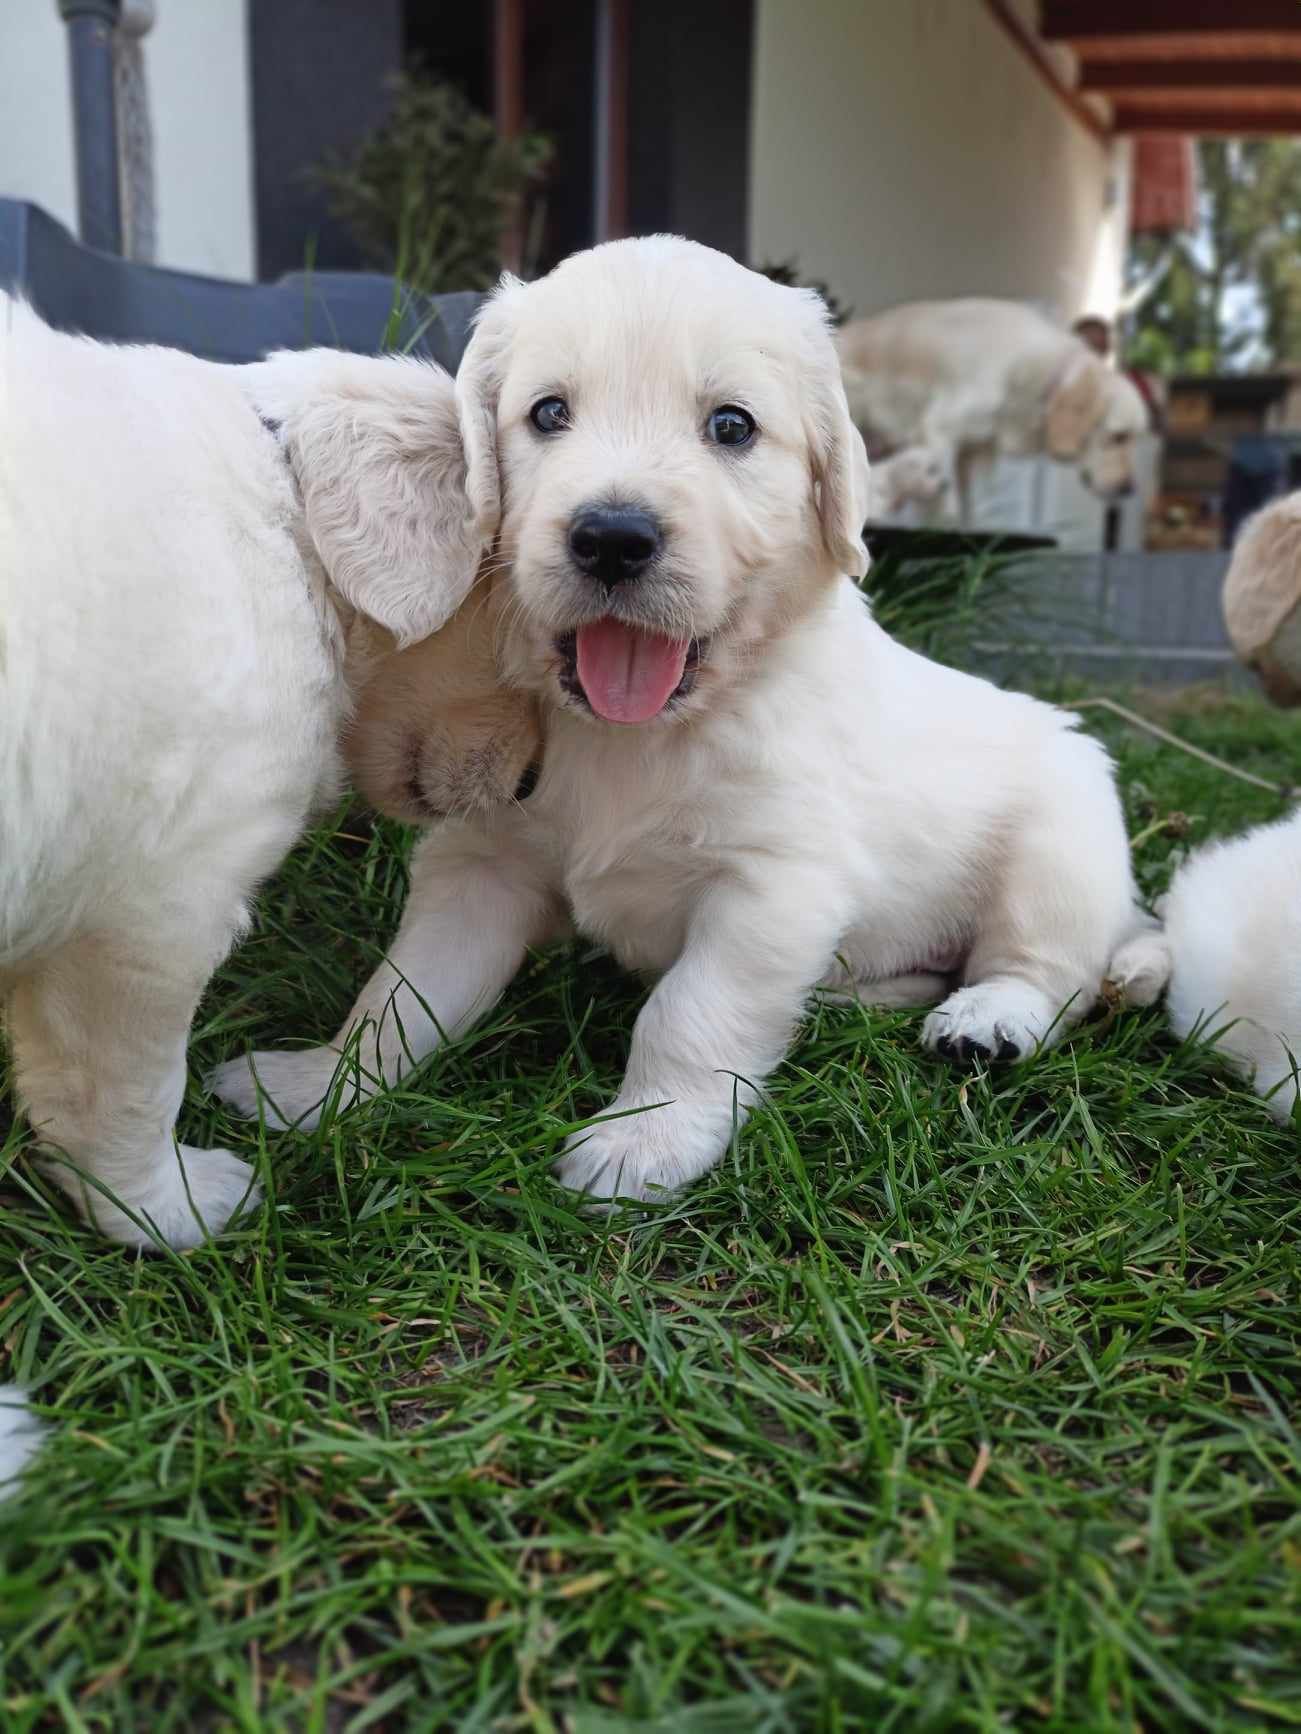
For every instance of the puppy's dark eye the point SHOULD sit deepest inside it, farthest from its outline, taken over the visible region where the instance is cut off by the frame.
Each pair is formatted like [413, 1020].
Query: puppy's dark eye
[550, 414]
[730, 426]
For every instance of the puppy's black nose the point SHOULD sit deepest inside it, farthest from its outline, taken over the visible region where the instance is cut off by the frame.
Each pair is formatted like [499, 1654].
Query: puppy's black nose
[614, 544]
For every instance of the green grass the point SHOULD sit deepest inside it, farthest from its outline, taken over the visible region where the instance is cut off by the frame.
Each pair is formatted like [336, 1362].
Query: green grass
[941, 1404]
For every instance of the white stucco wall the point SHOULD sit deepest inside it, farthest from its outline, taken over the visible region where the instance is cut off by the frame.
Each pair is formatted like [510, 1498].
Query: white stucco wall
[197, 66]
[35, 128]
[905, 149]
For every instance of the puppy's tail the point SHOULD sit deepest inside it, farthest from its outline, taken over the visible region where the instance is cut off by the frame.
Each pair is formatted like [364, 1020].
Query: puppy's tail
[20, 1438]
[1140, 966]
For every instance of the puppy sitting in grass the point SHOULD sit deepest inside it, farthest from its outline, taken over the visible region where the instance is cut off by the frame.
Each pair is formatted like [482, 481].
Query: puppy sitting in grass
[748, 790]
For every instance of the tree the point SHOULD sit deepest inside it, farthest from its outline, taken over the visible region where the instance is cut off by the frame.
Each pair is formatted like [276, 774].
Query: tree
[1229, 296]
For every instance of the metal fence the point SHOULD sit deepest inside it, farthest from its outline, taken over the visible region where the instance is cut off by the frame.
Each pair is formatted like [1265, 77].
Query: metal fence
[1114, 619]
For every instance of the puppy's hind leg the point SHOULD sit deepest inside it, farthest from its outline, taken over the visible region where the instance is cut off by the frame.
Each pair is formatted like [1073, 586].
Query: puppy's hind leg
[98, 1031]
[1056, 910]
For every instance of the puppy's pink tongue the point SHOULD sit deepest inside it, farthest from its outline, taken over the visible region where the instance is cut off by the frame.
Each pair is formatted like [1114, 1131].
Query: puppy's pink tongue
[628, 676]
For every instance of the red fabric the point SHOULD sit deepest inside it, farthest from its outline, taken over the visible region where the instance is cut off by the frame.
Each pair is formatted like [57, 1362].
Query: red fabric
[1165, 185]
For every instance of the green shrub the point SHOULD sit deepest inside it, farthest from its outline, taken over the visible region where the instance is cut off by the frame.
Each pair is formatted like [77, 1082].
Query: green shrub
[788, 272]
[429, 193]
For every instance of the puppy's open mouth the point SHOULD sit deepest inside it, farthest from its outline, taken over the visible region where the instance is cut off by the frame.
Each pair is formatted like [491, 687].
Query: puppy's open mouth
[624, 674]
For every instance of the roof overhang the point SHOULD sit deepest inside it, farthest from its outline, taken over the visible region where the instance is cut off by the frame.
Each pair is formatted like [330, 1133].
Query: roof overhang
[1205, 67]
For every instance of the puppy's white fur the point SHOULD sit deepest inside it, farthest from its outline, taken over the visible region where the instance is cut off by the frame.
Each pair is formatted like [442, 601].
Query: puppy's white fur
[821, 807]
[171, 693]
[20, 1438]
[954, 376]
[1230, 952]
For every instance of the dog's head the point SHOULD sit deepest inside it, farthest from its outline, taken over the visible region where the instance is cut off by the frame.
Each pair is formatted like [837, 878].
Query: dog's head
[658, 438]
[1094, 416]
[434, 733]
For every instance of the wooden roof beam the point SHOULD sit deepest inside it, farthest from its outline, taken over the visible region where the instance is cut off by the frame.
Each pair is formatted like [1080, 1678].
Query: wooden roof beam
[1106, 76]
[1077, 20]
[1207, 121]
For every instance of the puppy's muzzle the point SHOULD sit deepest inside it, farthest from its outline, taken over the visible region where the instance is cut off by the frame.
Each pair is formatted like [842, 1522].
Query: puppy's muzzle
[614, 544]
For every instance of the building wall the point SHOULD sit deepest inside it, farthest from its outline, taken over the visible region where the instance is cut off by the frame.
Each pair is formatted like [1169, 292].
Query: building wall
[905, 149]
[197, 66]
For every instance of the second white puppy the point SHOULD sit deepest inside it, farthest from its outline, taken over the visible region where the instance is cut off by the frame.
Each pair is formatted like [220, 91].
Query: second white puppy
[181, 545]
[1229, 956]
[748, 789]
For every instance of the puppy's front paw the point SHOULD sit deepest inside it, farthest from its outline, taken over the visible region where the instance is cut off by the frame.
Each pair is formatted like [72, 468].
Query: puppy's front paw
[292, 1087]
[648, 1155]
[994, 1021]
[193, 1194]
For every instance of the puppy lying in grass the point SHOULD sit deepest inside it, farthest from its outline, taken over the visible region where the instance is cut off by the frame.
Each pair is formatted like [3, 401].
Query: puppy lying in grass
[1229, 957]
[184, 551]
[748, 790]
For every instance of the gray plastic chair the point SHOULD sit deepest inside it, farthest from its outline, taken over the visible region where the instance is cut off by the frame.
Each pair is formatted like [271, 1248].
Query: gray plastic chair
[75, 288]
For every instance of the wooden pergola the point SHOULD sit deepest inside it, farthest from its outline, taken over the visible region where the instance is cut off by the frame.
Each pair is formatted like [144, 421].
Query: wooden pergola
[1203, 67]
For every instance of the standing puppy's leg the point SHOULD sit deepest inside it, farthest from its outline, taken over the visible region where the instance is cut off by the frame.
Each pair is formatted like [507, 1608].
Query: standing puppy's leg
[711, 1031]
[98, 1031]
[472, 913]
[1060, 904]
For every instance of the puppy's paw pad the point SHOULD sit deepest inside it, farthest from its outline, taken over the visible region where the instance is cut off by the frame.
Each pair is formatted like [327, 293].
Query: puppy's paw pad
[290, 1087]
[979, 1026]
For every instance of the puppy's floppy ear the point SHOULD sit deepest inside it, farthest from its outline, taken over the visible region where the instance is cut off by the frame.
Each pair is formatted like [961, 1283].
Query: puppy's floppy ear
[375, 445]
[1076, 404]
[478, 382]
[836, 447]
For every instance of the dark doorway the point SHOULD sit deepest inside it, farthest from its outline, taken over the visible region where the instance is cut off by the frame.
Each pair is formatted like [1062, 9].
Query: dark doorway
[320, 70]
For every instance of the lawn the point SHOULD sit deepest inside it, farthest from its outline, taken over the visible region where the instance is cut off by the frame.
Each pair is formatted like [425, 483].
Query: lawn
[942, 1404]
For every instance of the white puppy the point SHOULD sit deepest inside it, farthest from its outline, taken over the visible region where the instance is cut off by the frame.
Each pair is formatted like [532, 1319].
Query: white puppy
[1230, 952]
[179, 543]
[748, 789]
[956, 376]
